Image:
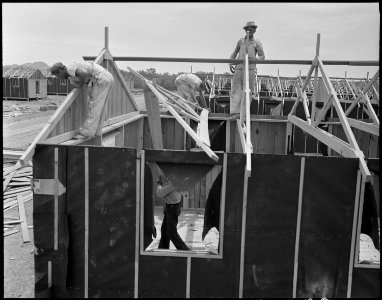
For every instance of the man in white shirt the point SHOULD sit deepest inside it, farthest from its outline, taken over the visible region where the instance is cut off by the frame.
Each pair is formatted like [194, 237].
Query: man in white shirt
[99, 81]
[254, 47]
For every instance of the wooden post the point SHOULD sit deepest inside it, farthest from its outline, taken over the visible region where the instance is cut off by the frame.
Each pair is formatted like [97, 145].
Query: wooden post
[315, 91]
[106, 37]
[152, 107]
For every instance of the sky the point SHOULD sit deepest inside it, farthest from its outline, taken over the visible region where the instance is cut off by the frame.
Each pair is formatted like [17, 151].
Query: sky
[52, 32]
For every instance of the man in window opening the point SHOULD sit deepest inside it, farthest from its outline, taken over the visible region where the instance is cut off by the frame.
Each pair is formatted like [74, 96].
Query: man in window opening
[254, 47]
[172, 202]
[99, 81]
[188, 85]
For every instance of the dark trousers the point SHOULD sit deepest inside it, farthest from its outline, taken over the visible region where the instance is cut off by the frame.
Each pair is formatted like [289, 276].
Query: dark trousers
[168, 229]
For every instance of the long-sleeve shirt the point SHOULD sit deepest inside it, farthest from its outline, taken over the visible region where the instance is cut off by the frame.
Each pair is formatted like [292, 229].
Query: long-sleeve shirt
[254, 48]
[168, 192]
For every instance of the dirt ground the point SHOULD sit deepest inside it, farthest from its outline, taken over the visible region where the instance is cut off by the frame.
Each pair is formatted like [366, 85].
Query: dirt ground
[19, 110]
[19, 258]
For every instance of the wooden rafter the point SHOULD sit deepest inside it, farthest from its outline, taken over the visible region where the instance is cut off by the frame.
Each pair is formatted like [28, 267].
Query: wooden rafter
[347, 149]
[361, 95]
[199, 139]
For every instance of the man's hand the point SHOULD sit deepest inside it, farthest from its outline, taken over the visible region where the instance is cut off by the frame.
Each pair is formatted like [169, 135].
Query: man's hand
[232, 68]
[154, 232]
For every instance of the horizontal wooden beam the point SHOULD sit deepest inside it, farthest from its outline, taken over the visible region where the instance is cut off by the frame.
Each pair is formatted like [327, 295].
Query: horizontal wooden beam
[12, 154]
[241, 135]
[58, 139]
[367, 127]
[328, 139]
[238, 61]
[122, 118]
[49, 126]
[333, 142]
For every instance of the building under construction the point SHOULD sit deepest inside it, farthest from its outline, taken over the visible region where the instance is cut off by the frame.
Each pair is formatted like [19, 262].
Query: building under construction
[290, 184]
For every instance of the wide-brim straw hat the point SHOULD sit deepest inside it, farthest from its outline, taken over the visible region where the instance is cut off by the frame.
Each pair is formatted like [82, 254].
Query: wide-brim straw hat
[56, 67]
[250, 24]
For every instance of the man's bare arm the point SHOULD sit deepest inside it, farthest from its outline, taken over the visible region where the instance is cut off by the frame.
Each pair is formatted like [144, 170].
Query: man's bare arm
[83, 76]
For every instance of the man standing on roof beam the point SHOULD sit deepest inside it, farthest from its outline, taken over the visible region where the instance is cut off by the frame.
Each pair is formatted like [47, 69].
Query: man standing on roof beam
[99, 81]
[254, 48]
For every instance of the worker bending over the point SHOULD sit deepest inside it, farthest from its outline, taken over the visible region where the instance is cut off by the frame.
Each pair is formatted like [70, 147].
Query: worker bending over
[254, 47]
[188, 85]
[99, 81]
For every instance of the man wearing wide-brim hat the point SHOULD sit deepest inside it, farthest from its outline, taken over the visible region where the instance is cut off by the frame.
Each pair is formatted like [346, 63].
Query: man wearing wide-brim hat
[254, 48]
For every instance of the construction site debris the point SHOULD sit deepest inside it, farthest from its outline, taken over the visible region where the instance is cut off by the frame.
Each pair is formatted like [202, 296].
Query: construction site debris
[16, 191]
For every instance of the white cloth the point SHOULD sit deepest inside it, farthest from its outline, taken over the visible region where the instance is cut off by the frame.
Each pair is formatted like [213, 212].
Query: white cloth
[98, 92]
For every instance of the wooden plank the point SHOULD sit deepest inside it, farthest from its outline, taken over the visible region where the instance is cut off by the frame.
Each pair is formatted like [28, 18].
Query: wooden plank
[24, 159]
[147, 141]
[228, 136]
[24, 225]
[197, 195]
[16, 190]
[170, 130]
[11, 232]
[140, 134]
[12, 222]
[279, 138]
[21, 179]
[367, 127]
[152, 106]
[373, 146]
[86, 222]
[330, 140]
[178, 139]
[8, 179]
[123, 119]
[202, 129]
[263, 134]
[11, 154]
[58, 139]
[340, 112]
[119, 137]
[19, 183]
[123, 83]
[353, 235]
[255, 136]
[242, 137]
[138, 183]
[359, 97]
[243, 231]
[298, 229]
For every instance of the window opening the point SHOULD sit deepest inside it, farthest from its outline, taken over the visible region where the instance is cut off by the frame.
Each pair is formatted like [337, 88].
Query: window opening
[199, 212]
[368, 237]
[16, 83]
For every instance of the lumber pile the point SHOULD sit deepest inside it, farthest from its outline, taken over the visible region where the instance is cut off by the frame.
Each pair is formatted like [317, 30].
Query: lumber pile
[17, 190]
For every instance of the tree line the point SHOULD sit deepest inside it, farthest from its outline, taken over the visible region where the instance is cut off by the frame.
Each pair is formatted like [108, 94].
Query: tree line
[166, 80]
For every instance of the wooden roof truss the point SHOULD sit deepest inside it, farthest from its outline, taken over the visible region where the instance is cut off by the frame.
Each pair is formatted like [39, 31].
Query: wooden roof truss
[178, 107]
[315, 116]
